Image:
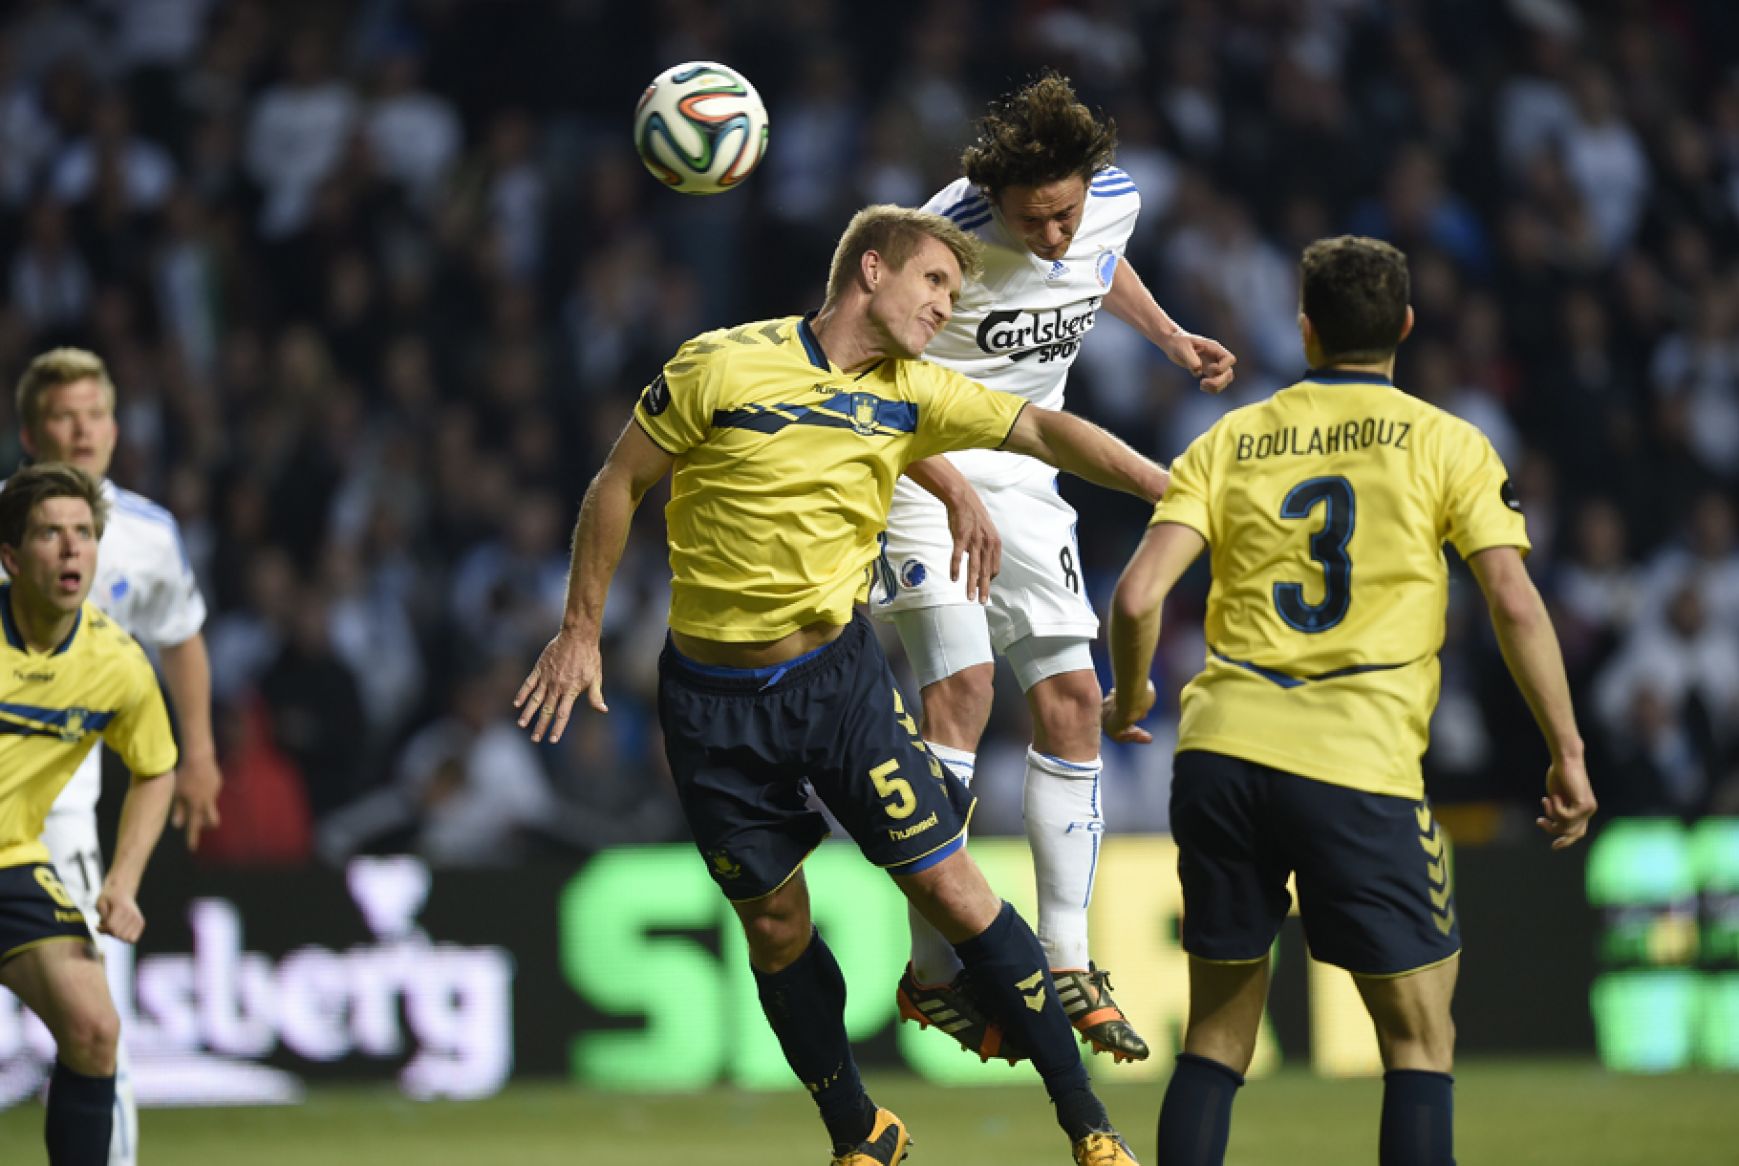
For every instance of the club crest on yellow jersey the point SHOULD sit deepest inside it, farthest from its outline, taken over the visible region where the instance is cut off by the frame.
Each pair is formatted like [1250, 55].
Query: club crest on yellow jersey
[74, 726]
[863, 414]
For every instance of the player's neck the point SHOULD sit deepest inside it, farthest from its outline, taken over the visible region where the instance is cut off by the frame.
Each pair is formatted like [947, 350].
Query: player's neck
[43, 629]
[849, 345]
[1382, 368]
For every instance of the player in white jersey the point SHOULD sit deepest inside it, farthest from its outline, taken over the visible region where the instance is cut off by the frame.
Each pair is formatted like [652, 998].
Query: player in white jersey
[1055, 217]
[66, 411]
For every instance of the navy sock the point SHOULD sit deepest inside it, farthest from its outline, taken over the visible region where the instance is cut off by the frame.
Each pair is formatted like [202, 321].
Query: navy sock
[1418, 1119]
[81, 1116]
[1195, 1119]
[1009, 973]
[805, 1004]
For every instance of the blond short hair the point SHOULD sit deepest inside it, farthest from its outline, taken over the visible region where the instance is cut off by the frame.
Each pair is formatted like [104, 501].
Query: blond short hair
[895, 233]
[51, 370]
[36, 484]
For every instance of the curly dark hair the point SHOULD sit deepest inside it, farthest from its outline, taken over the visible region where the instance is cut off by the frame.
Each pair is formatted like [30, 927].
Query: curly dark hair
[1038, 134]
[1354, 290]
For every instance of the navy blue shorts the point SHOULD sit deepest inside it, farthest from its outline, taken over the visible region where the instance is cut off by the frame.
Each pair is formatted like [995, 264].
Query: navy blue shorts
[747, 745]
[35, 908]
[1373, 872]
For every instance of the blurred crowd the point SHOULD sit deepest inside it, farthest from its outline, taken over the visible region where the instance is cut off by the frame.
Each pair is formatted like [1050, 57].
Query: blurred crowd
[380, 281]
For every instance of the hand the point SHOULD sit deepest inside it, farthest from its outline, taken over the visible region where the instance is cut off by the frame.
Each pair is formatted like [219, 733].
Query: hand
[197, 782]
[1119, 722]
[568, 665]
[119, 915]
[1205, 359]
[976, 539]
[1568, 804]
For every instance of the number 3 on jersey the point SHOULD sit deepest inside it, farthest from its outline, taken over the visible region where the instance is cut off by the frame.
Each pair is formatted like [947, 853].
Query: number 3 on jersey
[1328, 546]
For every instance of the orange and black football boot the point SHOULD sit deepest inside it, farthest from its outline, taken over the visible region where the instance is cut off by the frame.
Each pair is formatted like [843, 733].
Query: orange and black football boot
[950, 1008]
[1086, 997]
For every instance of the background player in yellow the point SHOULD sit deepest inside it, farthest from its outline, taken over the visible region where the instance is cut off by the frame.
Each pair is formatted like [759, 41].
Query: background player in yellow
[69, 674]
[66, 402]
[1326, 508]
[785, 438]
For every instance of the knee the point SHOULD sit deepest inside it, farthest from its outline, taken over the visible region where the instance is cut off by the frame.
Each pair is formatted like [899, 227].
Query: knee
[957, 708]
[1234, 1050]
[87, 1039]
[1066, 715]
[776, 938]
[1418, 1041]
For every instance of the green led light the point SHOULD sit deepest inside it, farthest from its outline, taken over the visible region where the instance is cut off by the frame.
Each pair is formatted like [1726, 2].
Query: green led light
[1643, 1020]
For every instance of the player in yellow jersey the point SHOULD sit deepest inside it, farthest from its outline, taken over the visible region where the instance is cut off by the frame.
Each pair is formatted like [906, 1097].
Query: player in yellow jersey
[785, 438]
[1326, 508]
[69, 675]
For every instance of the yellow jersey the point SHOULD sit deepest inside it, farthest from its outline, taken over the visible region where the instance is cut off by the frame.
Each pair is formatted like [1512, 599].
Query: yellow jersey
[53, 707]
[1326, 508]
[785, 467]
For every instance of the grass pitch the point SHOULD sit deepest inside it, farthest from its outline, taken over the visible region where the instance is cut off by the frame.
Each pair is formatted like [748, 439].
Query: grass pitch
[1508, 1113]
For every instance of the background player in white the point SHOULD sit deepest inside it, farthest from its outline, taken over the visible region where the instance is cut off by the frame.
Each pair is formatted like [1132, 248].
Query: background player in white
[1055, 216]
[66, 412]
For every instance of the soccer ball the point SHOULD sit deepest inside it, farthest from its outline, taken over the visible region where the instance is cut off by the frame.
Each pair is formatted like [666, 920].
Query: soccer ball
[700, 127]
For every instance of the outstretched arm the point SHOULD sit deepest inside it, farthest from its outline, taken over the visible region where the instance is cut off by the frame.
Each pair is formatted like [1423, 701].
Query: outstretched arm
[975, 535]
[187, 670]
[1530, 649]
[1165, 553]
[1130, 301]
[571, 663]
[142, 817]
[1082, 448]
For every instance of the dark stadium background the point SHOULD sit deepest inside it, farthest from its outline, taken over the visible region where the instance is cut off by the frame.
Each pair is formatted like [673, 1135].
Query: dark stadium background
[379, 283]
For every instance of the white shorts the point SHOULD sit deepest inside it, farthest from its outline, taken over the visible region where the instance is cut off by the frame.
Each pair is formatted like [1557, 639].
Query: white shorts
[71, 838]
[1038, 592]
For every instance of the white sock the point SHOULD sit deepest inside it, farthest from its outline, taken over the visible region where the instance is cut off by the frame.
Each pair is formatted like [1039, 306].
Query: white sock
[933, 958]
[124, 1140]
[1064, 824]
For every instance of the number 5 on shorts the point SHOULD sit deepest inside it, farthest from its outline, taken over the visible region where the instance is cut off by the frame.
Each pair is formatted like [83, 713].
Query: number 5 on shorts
[896, 788]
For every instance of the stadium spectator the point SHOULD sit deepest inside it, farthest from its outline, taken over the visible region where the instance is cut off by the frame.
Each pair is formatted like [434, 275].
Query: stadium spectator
[51, 282]
[297, 134]
[414, 132]
[317, 710]
[1599, 589]
[469, 789]
[111, 152]
[1605, 161]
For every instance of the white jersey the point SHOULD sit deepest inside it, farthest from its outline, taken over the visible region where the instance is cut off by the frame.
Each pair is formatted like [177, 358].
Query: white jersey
[1018, 327]
[145, 582]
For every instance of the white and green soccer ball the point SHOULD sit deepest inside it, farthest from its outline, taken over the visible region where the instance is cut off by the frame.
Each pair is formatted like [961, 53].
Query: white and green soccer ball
[700, 127]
